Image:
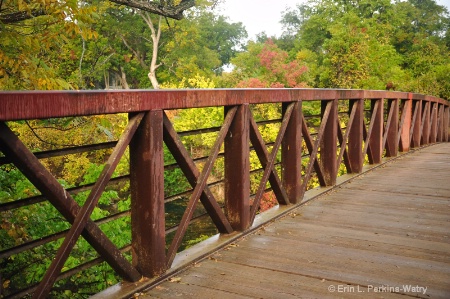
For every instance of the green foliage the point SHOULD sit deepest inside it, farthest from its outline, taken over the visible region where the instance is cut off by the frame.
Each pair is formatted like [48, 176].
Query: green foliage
[197, 118]
[368, 44]
[39, 220]
[28, 56]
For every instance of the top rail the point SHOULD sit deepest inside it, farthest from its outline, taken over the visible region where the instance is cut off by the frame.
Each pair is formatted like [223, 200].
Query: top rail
[49, 104]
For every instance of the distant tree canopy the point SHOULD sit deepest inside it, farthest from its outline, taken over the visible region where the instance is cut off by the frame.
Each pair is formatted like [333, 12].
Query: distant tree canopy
[16, 11]
[98, 44]
[370, 43]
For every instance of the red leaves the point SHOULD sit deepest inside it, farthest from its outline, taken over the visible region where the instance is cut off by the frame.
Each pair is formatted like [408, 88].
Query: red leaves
[277, 71]
[251, 83]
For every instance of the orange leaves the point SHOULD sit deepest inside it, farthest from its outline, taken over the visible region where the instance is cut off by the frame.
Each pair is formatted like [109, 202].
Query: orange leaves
[29, 44]
[276, 69]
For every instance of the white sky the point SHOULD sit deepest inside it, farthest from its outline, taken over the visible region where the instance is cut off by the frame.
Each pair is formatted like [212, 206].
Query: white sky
[265, 15]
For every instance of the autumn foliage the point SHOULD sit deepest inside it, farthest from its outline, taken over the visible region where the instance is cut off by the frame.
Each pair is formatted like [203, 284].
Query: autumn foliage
[277, 70]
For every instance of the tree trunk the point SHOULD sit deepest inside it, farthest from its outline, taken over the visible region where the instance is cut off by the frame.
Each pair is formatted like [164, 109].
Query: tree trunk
[123, 79]
[156, 35]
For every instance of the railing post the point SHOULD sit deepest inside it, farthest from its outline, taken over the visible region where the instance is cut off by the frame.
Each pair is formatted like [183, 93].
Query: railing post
[416, 134]
[391, 141]
[404, 143]
[237, 170]
[328, 146]
[440, 128]
[434, 121]
[291, 154]
[446, 123]
[147, 196]
[376, 138]
[355, 138]
[426, 122]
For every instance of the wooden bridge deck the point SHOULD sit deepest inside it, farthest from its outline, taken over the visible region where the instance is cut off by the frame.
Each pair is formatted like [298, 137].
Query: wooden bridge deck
[385, 234]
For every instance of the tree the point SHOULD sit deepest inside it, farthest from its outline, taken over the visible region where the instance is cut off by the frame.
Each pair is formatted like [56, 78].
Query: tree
[367, 44]
[26, 41]
[266, 65]
[12, 12]
[31, 31]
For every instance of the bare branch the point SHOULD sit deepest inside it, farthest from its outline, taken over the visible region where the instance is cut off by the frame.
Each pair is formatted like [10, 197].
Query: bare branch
[170, 11]
[20, 16]
[136, 54]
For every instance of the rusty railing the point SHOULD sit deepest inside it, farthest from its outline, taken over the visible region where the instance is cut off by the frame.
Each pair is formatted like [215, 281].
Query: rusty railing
[353, 125]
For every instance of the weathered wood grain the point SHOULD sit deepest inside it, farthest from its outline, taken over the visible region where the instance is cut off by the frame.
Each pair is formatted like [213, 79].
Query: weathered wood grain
[386, 228]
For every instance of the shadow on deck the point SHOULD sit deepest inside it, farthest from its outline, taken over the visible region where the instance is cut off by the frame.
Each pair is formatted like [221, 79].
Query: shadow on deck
[383, 234]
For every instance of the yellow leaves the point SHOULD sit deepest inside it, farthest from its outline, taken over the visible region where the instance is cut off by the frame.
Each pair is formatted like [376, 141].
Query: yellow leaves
[201, 82]
[197, 81]
[29, 46]
[174, 279]
[22, 5]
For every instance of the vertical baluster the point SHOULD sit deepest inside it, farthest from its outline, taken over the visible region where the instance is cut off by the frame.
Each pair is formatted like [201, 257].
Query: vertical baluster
[376, 138]
[147, 196]
[440, 126]
[355, 138]
[417, 122]
[391, 141]
[434, 122]
[406, 125]
[425, 123]
[237, 170]
[446, 123]
[328, 146]
[291, 154]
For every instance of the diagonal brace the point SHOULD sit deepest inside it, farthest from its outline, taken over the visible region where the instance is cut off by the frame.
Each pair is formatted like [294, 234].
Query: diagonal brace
[263, 155]
[267, 162]
[46, 183]
[84, 214]
[187, 165]
[313, 150]
[344, 138]
[199, 188]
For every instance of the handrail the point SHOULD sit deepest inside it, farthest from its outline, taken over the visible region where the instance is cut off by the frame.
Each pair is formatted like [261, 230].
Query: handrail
[377, 124]
[21, 105]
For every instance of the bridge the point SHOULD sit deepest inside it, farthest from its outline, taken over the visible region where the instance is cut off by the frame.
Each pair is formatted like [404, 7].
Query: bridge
[378, 223]
[384, 234]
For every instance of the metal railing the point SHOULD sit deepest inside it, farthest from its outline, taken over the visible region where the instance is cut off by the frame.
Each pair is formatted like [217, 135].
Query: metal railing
[353, 125]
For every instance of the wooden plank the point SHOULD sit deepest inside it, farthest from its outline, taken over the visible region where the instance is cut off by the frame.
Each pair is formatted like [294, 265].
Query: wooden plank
[390, 139]
[328, 144]
[355, 139]
[362, 267]
[237, 168]
[375, 134]
[405, 126]
[20, 105]
[368, 233]
[254, 282]
[355, 238]
[291, 155]
[147, 196]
